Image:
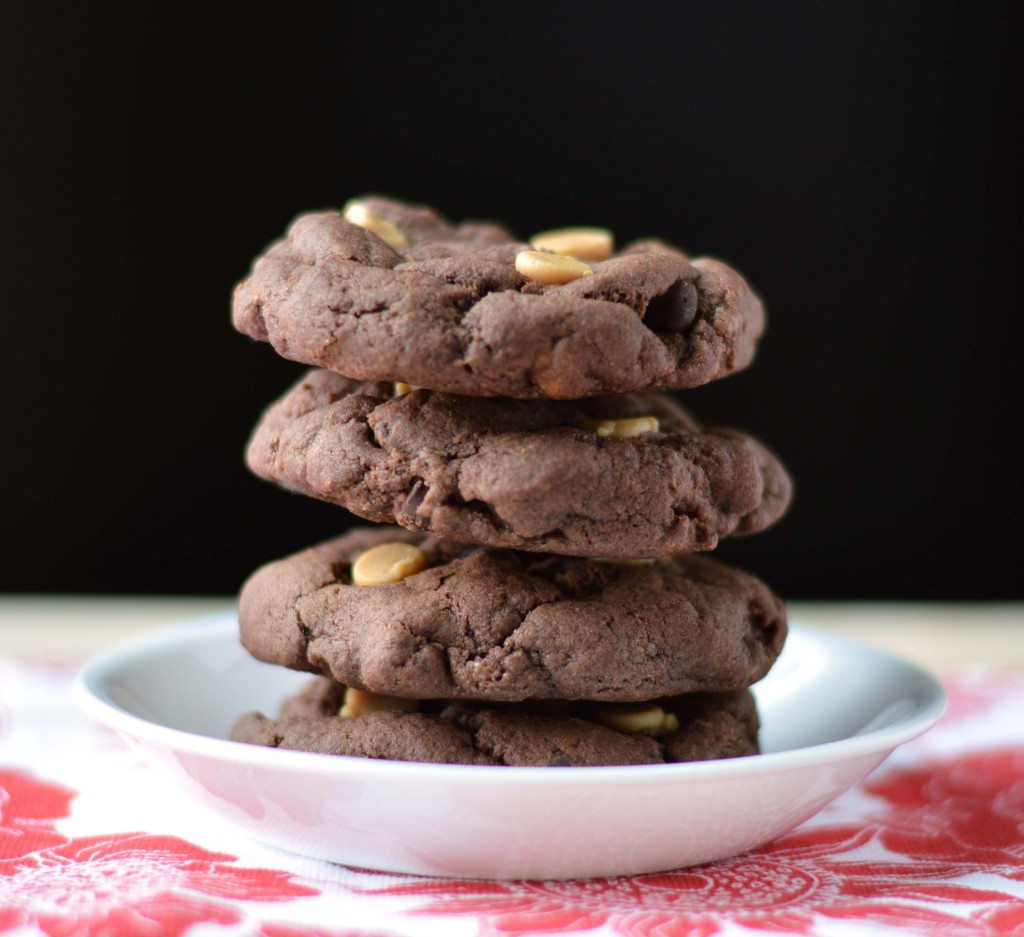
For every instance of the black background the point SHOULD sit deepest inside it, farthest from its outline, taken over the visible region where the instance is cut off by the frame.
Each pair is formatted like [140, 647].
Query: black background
[854, 159]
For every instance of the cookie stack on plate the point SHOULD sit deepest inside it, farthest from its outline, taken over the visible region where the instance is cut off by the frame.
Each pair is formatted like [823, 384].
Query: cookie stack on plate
[539, 601]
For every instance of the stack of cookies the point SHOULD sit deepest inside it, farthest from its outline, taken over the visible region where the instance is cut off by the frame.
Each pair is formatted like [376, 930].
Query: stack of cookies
[536, 599]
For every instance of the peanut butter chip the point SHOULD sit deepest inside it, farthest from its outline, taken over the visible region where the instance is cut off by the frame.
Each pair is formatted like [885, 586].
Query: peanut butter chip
[639, 717]
[581, 243]
[622, 429]
[389, 562]
[355, 213]
[552, 269]
[359, 702]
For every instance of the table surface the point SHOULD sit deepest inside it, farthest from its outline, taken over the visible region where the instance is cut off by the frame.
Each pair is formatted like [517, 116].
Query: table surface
[92, 840]
[935, 635]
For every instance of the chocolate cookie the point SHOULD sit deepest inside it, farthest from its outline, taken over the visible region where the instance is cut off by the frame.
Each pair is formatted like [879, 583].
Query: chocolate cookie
[486, 624]
[444, 306]
[708, 726]
[529, 475]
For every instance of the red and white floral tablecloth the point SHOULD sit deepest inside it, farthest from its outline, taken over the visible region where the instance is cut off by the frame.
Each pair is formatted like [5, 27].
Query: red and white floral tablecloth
[92, 842]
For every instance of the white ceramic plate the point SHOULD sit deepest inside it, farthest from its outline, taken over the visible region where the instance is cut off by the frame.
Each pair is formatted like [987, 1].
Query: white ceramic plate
[831, 711]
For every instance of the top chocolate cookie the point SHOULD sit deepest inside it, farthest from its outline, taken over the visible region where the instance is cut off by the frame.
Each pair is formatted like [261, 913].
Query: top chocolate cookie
[390, 291]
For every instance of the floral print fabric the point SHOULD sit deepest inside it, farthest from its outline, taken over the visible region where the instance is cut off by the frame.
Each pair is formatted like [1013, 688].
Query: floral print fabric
[92, 842]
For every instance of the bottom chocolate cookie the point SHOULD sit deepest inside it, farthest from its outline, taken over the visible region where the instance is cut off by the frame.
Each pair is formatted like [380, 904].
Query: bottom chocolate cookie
[692, 727]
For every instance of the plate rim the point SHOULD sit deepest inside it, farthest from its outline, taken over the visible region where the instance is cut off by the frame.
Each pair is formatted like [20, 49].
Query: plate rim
[95, 673]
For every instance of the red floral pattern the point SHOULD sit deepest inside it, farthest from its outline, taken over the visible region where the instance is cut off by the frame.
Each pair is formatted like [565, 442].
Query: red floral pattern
[129, 883]
[934, 843]
[941, 851]
[980, 690]
[27, 812]
[288, 930]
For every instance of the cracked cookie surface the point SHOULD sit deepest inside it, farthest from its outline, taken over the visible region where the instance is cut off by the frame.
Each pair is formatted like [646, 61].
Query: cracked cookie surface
[501, 625]
[520, 474]
[449, 311]
[710, 726]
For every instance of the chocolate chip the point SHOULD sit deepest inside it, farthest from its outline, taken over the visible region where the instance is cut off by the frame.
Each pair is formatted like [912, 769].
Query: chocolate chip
[674, 310]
